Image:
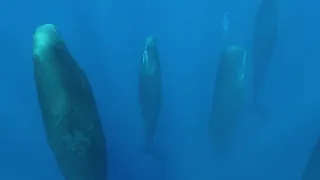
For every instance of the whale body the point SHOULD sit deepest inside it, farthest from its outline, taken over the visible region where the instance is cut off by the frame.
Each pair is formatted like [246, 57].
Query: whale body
[150, 92]
[69, 113]
[229, 97]
[312, 170]
[264, 40]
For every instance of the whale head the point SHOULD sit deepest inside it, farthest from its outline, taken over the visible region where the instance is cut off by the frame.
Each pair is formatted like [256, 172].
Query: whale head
[149, 62]
[46, 38]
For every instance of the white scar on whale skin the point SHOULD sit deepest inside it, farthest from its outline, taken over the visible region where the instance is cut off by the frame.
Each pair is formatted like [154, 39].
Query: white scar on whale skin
[243, 64]
[145, 57]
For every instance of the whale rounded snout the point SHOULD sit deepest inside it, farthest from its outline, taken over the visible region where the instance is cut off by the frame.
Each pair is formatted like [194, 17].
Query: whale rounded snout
[150, 42]
[45, 37]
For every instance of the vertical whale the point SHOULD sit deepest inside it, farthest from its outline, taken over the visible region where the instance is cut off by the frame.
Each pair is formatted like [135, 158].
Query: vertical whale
[150, 92]
[228, 99]
[312, 170]
[69, 113]
[264, 39]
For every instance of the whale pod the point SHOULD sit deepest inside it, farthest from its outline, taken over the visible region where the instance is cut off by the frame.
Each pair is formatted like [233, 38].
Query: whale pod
[228, 98]
[69, 113]
[150, 91]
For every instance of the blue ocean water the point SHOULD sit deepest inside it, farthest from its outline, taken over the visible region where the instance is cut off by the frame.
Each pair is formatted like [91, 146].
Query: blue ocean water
[107, 38]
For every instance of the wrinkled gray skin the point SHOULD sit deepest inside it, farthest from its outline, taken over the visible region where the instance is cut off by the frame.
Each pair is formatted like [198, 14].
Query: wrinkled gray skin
[264, 40]
[312, 171]
[229, 97]
[69, 113]
[150, 89]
